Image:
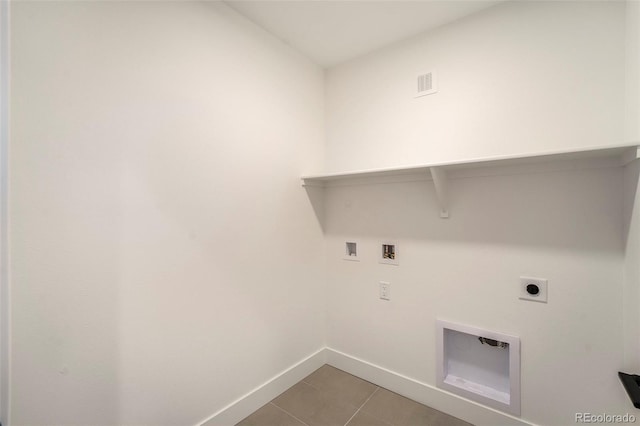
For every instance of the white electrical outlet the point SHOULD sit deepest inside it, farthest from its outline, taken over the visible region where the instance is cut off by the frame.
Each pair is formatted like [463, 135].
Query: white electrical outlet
[533, 289]
[385, 290]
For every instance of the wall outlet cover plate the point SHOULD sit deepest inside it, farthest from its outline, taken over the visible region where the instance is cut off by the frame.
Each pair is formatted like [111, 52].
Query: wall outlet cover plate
[534, 289]
[385, 290]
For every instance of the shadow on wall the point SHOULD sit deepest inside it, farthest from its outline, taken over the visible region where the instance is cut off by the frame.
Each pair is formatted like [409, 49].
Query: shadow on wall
[579, 210]
[317, 199]
[631, 177]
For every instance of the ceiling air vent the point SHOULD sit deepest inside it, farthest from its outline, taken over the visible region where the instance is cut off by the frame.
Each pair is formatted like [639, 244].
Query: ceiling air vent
[426, 84]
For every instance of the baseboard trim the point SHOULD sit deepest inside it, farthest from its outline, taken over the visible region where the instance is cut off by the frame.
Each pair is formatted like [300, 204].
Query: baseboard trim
[467, 410]
[439, 399]
[247, 404]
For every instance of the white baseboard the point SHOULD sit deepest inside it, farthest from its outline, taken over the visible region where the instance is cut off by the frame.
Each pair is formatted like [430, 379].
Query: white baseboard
[247, 404]
[439, 399]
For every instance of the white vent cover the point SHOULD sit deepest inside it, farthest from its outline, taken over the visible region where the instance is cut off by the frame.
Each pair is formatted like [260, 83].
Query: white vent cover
[426, 84]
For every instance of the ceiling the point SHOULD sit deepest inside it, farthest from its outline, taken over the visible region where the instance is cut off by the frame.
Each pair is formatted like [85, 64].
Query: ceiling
[331, 32]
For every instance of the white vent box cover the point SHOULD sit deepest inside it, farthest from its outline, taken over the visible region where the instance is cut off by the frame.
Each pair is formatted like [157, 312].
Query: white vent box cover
[480, 365]
[426, 84]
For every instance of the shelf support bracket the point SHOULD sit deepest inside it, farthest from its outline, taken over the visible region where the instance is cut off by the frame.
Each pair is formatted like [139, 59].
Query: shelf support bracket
[439, 177]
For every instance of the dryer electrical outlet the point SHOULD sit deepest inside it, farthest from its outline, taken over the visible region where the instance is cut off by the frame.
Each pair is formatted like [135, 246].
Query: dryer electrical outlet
[534, 289]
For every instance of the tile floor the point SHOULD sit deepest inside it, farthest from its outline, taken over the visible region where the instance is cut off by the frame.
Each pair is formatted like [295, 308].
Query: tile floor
[331, 397]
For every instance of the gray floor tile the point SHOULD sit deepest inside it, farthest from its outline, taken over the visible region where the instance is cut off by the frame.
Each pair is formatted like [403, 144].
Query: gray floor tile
[364, 419]
[443, 419]
[348, 388]
[270, 415]
[400, 411]
[315, 407]
[331, 397]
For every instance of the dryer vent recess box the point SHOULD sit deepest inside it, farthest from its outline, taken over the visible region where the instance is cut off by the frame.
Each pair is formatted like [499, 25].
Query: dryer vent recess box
[481, 365]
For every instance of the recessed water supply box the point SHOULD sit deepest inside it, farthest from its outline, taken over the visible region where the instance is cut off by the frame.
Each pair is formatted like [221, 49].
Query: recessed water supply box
[351, 250]
[480, 365]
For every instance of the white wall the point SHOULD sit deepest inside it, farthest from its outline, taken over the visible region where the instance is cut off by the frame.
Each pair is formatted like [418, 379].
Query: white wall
[165, 260]
[632, 198]
[519, 77]
[4, 250]
[631, 233]
[632, 77]
[563, 226]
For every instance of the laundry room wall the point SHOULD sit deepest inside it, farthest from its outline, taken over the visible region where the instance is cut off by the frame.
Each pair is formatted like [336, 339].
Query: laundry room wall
[164, 259]
[518, 78]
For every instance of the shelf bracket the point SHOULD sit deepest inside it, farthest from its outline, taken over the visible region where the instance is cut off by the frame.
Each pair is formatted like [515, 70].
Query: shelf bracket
[440, 182]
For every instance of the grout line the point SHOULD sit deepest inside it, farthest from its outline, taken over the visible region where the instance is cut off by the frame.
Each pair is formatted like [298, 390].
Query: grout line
[358, 410]
[306, 383]
[286, 412]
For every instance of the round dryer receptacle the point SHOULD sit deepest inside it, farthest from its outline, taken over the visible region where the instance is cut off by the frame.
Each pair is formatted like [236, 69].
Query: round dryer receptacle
[533, 289]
